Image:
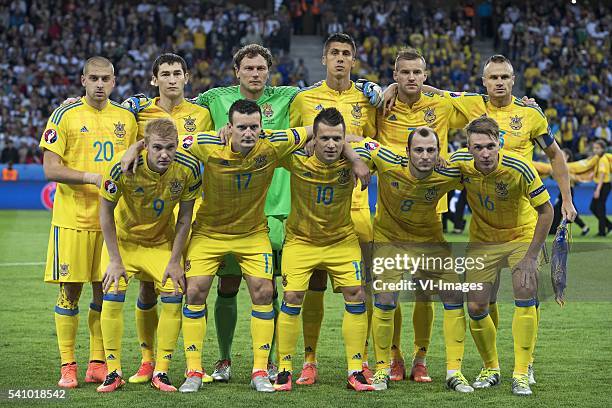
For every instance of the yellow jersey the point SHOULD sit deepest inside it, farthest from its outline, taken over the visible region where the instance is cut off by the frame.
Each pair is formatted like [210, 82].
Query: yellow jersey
[359, 116]
[235, 185]
[603, 167]
[520, 126]
[503, 201]
[145, 215]
[406, 209]
[431, 110]
[86, 139]
[320, 199]
[188, 117]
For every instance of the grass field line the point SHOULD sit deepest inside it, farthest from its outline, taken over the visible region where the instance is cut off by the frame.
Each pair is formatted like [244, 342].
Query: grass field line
[10, 264]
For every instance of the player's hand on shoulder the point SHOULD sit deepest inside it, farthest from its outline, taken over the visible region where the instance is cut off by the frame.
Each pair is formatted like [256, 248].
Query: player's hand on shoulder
[113, 274]
[372, 91]
[225, 134]
[136, 102]
[530, 101]
[441, 163]
[390, 95]
[129, 161]
[309, 147]
[70, 100]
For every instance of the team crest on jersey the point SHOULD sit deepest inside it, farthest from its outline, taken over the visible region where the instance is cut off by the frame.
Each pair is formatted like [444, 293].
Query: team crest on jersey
[356, 112]
[501, 189]
[187, 142]
[319, 107]
[430, 116]
[266, 110]
[64, 269]
[50, 136]
[284, 280]
[431, 193]
[371, 145]
[516, 122]
[110, 187]
[187, 265]
[189, 124]
[261, 161]
[119, 129]
[395, 184]
[175, 187]
[344, 175]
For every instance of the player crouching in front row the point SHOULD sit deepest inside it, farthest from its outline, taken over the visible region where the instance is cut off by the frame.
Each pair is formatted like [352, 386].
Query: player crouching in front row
[144, 242]
[320, 235]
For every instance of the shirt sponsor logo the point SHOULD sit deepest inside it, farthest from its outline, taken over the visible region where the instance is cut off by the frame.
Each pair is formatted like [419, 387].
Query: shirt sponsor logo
[371, 145]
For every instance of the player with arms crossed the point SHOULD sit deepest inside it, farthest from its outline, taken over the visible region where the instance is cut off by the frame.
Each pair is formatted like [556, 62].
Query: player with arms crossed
[145, 242]
[407, 223]
[503, 189]
[320, 235]
[78, 142]
[360, 118]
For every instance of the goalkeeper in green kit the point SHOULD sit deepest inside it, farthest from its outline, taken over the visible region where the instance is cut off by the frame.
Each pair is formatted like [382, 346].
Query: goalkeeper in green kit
[252, 64]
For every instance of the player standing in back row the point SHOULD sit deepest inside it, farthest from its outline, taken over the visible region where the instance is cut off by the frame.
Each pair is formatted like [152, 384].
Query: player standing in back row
[79, 141]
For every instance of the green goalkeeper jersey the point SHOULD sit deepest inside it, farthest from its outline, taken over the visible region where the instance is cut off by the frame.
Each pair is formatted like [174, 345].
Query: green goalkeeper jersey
[274, 104]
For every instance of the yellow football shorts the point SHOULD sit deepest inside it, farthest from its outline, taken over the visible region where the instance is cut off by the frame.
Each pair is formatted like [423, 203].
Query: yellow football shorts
[253, 253]
[394, 262]
[341, 260]
[73, 256]
[494, 257]
[362, 222]
[146, 263]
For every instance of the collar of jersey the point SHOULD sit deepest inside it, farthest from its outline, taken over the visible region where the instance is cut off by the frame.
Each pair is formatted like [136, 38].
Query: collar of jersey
[88, 106]
[507, 108]
[414, 107]
[176, 108]
[328, 89]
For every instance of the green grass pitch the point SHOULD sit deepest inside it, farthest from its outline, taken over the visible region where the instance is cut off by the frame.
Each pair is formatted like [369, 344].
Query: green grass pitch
[573, 354]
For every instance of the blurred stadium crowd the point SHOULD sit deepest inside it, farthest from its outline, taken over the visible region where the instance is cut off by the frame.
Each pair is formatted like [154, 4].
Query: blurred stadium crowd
[561, 53]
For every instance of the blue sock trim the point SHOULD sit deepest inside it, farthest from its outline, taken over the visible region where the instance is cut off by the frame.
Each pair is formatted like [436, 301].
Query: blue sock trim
[290, 310]
[263, 315]
[145, 306]
[193, 314]
[111, 297]
[479, 317]
[66, 312]
[97, 308]
[172, 299]
[355, 309]
[525, 303]
[384, 307]
[453, 306]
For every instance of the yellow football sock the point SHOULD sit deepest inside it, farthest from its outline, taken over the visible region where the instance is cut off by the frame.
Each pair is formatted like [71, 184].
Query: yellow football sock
[396, 345]
[524, 329]
[312, 318]
[494, 313]
[168, 331]
[194, 331]
[354, 327]
[146, 326]
[382, 333]
[262, 331]
[96, 344]
[485, 337]
[454, 335]
[288, 329]
[66, 325]
[111, 321]
[535, 339]
[422, 322]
